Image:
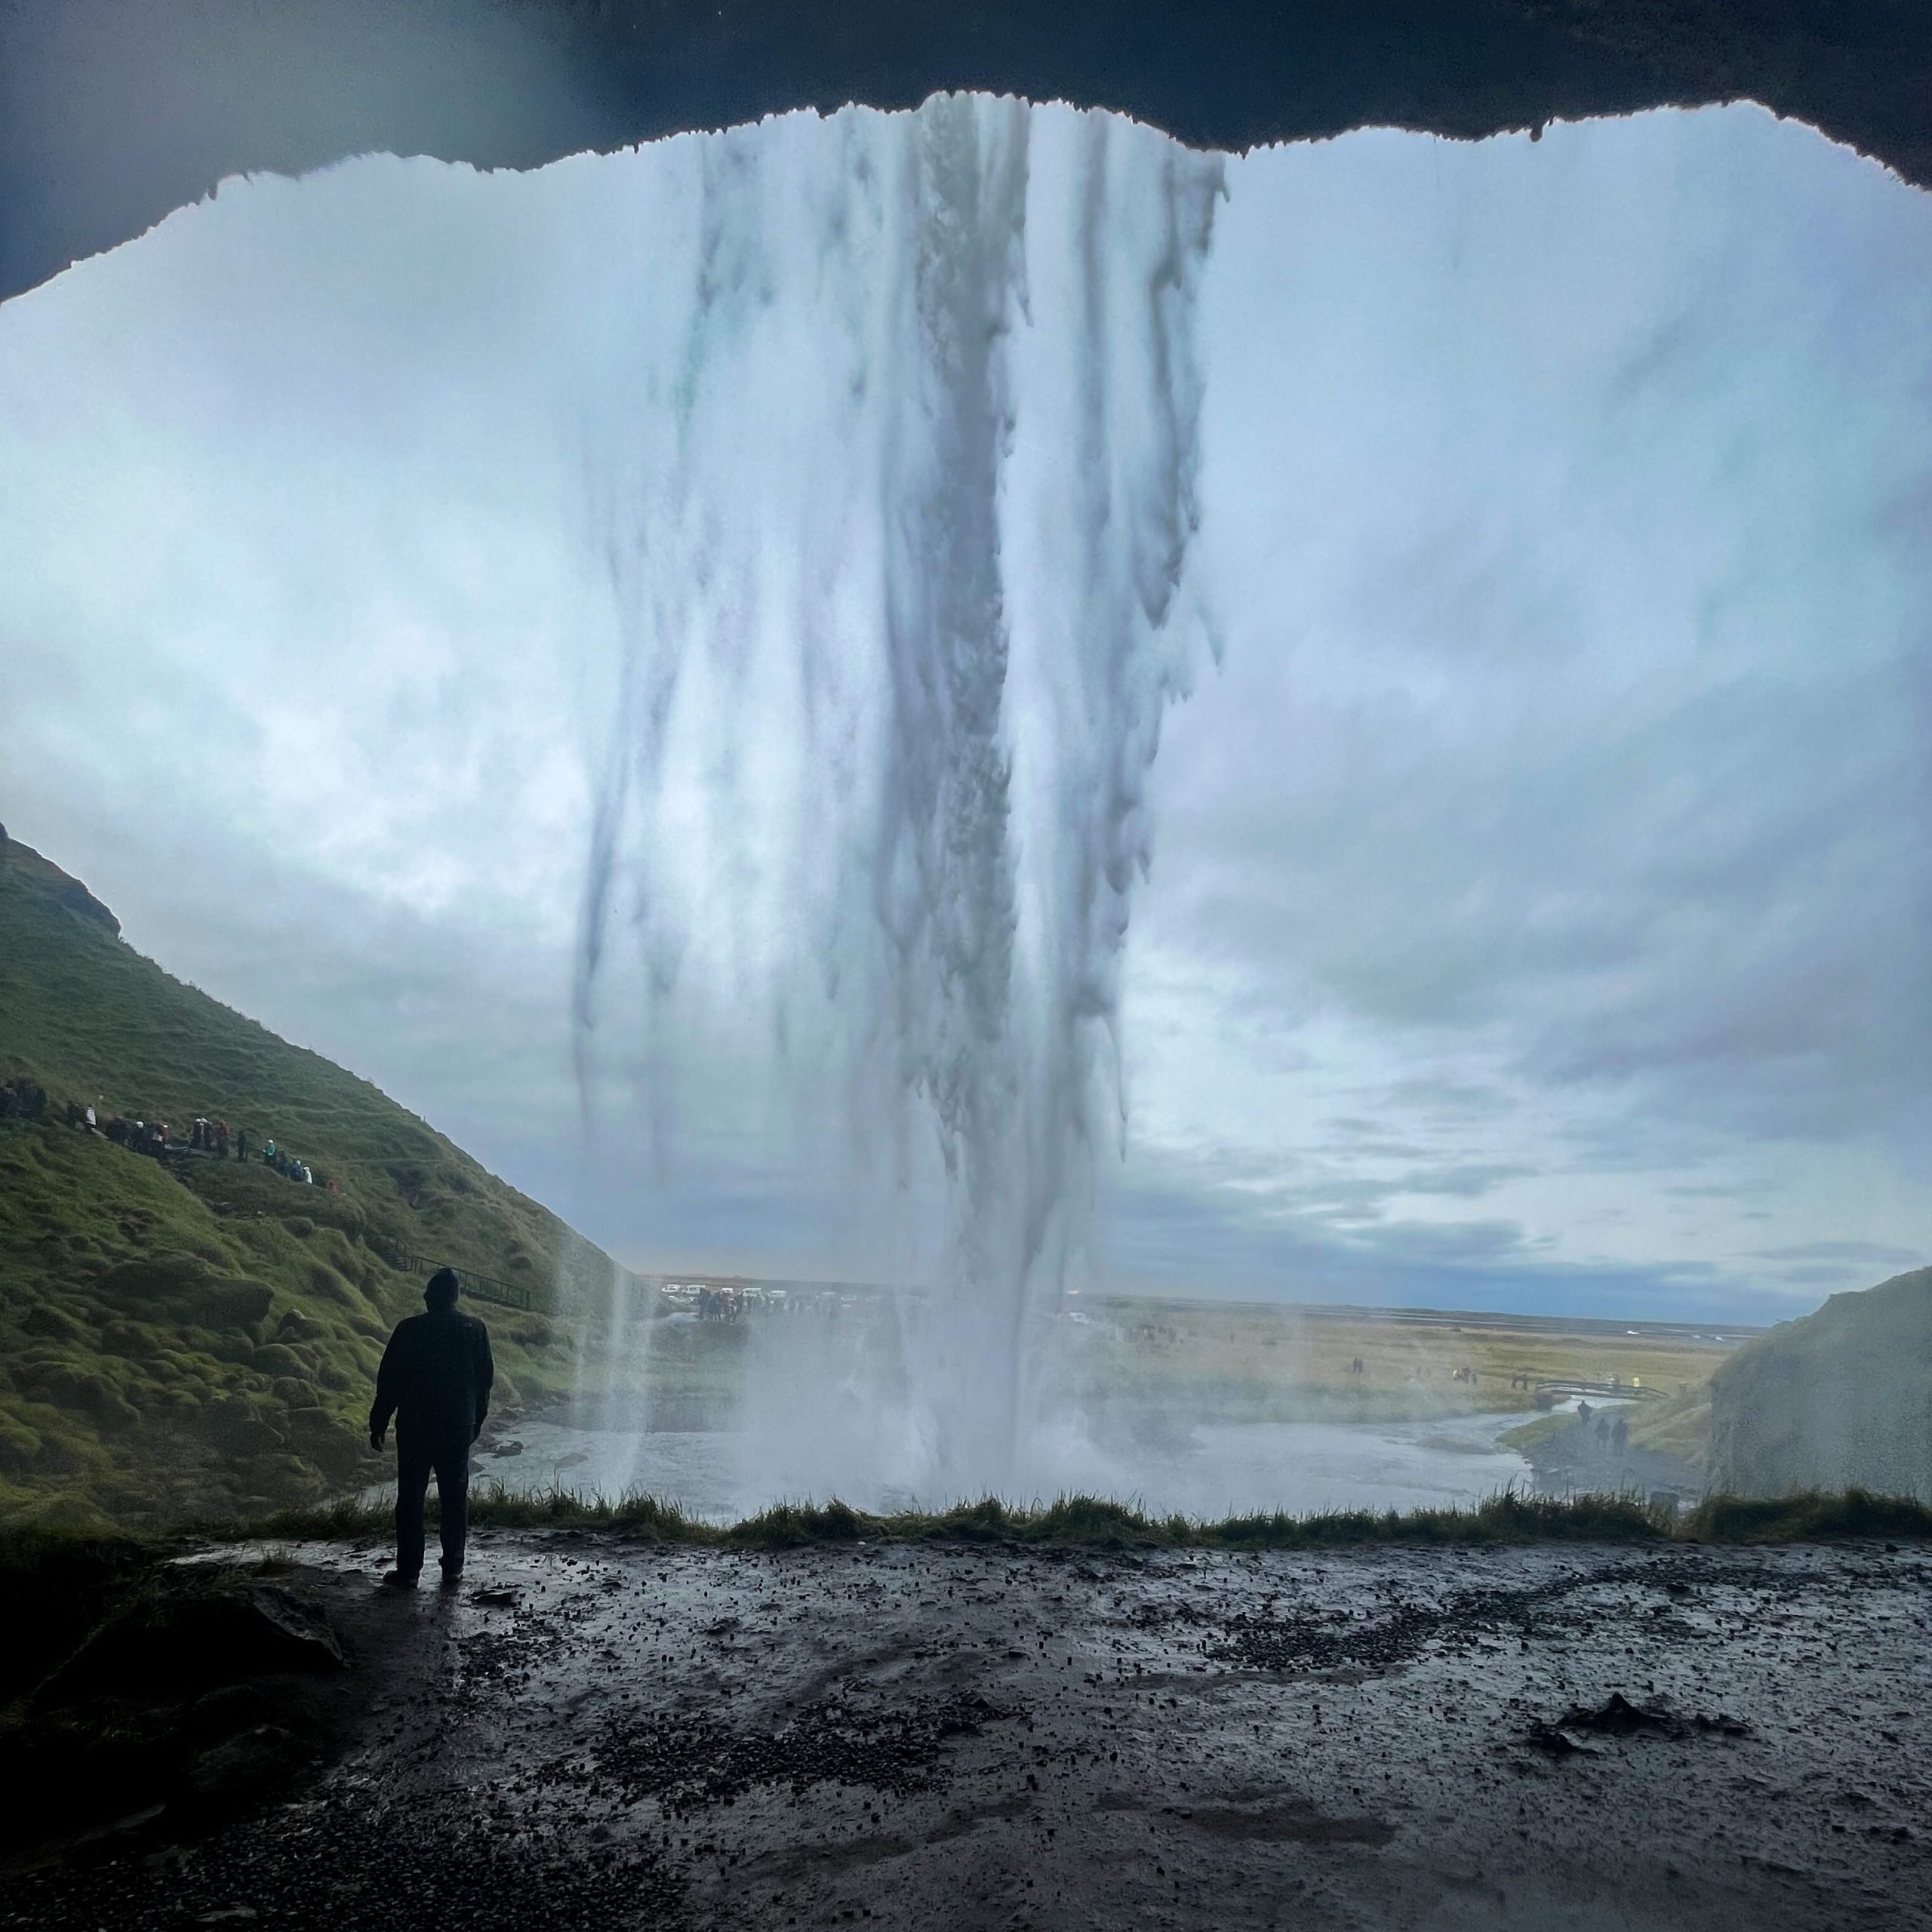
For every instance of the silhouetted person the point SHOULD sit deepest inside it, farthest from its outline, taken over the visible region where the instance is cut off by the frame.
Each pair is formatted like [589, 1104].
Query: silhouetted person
[435, 1379]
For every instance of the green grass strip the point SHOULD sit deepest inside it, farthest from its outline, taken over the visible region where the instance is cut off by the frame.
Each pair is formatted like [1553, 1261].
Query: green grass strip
[1088, 1522]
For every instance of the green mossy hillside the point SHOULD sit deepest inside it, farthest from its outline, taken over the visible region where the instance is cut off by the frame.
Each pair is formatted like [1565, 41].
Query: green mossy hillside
[1841, 1396]
[188, 1335]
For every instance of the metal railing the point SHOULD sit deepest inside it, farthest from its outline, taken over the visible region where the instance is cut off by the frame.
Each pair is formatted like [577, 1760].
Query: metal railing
[479, 1287]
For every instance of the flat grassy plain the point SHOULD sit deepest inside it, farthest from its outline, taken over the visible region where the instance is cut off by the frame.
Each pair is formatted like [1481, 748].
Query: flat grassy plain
[1269, 1362]
[1150, 1369]
[1226, 1362]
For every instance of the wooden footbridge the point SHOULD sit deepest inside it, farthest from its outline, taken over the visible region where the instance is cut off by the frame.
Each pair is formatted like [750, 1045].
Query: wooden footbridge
[1561, 1388]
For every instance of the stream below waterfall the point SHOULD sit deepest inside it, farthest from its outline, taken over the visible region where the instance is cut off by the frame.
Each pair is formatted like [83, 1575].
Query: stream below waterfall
[1210, 1470]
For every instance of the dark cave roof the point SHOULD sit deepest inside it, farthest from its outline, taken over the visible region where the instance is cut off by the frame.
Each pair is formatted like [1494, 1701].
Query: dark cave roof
[111, 115]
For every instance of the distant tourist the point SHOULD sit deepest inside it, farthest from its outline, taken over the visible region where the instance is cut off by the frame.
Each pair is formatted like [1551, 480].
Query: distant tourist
[268, 1151]
[435, 1380]
[22, 1097]
[241, 1143]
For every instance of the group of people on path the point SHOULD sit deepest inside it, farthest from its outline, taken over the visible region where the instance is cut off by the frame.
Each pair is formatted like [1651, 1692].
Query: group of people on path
[207, 1135]
[22, 1099]
[286, 1164]
[1610, 1432]
[211, 1137]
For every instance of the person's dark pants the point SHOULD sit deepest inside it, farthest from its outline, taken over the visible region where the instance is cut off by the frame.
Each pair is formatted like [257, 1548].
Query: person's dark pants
[415, 1457]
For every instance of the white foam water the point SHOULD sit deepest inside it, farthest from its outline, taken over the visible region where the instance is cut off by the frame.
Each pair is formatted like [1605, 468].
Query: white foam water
[891, 467]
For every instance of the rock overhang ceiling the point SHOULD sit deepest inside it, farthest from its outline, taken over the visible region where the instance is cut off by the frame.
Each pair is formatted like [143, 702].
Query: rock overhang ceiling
[113, 114]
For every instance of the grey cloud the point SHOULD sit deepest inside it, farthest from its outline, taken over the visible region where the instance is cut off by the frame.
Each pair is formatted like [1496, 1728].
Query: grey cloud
[1469, 1179]
[1449, 1100]
[1175, 1239]
[1827, 1276]
[1571, 750]
[1876, 1253]
[1723, 903]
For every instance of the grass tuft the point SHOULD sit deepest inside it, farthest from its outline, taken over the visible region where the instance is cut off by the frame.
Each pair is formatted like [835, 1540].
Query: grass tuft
[1091, 1522]
[1811, 1516]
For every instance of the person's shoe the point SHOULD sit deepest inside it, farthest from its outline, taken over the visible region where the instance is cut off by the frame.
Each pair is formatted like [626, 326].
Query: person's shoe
[452, 1577]
[400, 1580]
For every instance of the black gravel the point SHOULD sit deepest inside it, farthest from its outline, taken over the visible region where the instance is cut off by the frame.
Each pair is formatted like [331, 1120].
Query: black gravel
[363, 1865]
[604, 1736]
[1307, 1638]
[691, 1763]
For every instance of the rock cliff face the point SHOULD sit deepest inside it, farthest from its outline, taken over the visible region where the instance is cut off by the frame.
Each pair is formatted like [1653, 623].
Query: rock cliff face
[112, 114]
[1842, 1397]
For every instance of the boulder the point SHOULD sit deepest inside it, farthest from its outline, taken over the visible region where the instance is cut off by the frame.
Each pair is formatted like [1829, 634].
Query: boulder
[52, 1325]
[334, 1449]
[183, 1287]
[239, 1773]
[240, 1430]
[191, 1634]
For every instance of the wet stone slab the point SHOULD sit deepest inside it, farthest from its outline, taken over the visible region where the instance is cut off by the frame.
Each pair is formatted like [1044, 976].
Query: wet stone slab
[1564, 1736]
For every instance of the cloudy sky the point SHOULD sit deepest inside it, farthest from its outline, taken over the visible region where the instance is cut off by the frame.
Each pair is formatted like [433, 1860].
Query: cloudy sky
[1542, 898]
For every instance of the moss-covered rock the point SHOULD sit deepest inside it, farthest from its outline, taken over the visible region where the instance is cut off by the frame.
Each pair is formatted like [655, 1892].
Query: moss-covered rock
[52, 1324]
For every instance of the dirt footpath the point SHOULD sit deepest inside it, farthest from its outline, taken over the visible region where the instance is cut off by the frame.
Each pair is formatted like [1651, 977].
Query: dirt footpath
[1580, 1738]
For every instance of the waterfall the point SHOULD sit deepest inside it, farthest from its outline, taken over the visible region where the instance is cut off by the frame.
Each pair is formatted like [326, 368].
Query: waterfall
[892, 472]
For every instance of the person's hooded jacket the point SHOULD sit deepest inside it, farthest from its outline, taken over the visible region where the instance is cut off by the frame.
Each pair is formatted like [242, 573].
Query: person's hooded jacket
[435, 1376]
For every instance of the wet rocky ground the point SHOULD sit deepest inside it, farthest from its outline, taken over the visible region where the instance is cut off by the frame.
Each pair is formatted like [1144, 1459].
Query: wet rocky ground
[1565, 1737]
